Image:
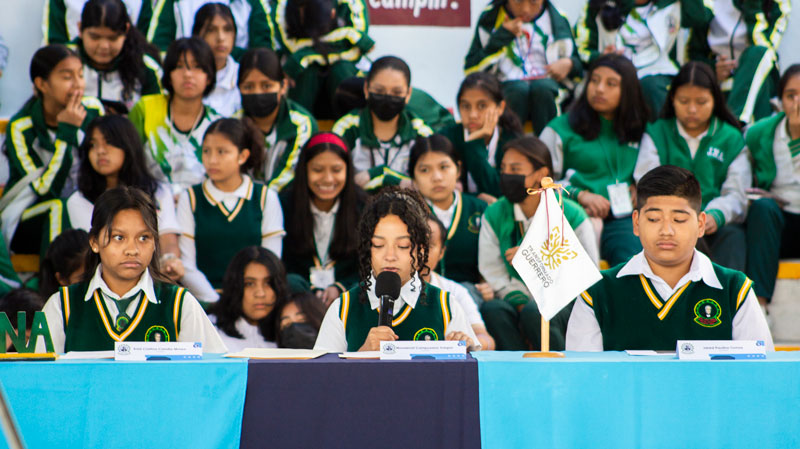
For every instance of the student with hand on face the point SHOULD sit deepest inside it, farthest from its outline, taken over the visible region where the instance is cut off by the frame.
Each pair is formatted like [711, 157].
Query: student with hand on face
[669, 291]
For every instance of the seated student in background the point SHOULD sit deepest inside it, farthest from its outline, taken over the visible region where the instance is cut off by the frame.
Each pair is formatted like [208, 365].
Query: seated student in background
[124, 296]
[380, 135]
[594, 149]
[214, 24]
[645, 31]
[529, 45]
[773, 219]
[42, 139]
[174, 19]
[456, 290]
[20, 300]
[299, 321]
[394, 236]
[62, 17]
[286, 125]
[486, 126]
[435, 168]
[320, 212]
[172, 125]
[228, 211]
[112, 155]
[321, 41]
[669, 291]
[120, 66]
[526, 161]
[741, 39]
[697, 132]
[64, 263]
[254, 288]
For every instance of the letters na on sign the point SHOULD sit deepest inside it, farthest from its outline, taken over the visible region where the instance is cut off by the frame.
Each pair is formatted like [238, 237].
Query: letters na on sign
[39, 327]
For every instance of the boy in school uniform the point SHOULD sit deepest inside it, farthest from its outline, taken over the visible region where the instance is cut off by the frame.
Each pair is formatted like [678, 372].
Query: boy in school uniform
[669, 291]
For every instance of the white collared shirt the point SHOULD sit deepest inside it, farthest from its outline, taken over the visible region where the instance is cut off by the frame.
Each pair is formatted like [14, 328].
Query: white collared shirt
[323, 230]
[446, 215]
[194, 325]
[251, 334]
[749, 323]
[332, 338]
[225, 98]
[461, 295]
[692, 142]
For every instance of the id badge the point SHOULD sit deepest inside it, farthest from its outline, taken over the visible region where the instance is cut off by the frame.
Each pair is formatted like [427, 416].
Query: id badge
[322, 277]
[619, 195]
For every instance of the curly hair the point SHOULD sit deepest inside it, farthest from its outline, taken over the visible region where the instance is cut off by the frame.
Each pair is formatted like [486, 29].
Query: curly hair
[409, 206]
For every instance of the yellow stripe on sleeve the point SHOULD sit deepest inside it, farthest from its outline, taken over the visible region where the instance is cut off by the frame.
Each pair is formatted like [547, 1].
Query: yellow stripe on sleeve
[743, 292]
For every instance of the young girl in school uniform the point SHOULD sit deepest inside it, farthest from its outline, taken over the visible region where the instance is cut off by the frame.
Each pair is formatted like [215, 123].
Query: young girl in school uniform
[698, 132]
[486, 126]
[62, 18]
[228, 211]
[254, 289]
[124, 296]
[172, 124]
[112, 155]
[119, 65]
[321, 210]
[214, 24]
[286, 125]
[381, 134]
[594, 149]
[41, 144]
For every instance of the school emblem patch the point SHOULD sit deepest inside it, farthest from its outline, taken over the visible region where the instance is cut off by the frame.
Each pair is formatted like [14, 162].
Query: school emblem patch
[707, 313]
[474, 223]
[426, 334]
[156, 333]
[121, 323]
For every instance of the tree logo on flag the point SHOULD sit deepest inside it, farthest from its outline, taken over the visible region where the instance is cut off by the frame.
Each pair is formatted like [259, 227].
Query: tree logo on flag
[556, 250]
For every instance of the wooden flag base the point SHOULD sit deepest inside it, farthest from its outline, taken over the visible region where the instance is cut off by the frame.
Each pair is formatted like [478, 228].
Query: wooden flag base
[543, 355]
[545, 352]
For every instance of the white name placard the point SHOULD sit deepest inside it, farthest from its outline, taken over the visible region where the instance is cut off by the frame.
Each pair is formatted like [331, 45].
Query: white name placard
[153, 350]
[424, 349]
[721, 350]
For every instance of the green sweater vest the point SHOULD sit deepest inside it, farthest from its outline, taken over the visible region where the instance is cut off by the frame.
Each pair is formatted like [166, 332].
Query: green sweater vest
[427, 321]
[219, 234]
[632, 315]
[89, 327]
[759, 139]
[460, 262]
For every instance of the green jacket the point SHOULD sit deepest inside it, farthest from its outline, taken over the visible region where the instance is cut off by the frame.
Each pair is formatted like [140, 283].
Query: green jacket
[759, 140]
[61, 17]
[429, 110]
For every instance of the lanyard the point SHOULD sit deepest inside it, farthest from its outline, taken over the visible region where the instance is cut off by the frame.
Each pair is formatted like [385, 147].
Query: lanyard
[525, 54]
[613, 169]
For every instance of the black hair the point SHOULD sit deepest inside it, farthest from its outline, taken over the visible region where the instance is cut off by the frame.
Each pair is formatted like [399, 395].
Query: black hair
[21, 300]
[264, 60]
[311, 19]
[534, 150]
[45, 60]
[309, 304]
[489, 84]
[669, 180]
[611, 15]
[408, 205]
[229, 307]
[389, 62]
[65, 256]
[244, 135]
[299, 224]
[113, 14]
[790, 73]
[108, 205]
[207, 12]
[630, 117]
[442, 230]
[202, 54]
[118, 131]
[696, 73]
[435, 143]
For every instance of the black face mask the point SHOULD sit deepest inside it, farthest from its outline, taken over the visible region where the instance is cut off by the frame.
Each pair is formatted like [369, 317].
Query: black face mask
[259, 105]
[386, 107]
[299, 336]
[513, 187]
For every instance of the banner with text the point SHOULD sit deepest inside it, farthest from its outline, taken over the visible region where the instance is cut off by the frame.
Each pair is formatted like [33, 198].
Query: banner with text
[443, 13]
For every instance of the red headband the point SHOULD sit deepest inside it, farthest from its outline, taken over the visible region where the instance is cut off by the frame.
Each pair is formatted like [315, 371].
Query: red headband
[327, 138]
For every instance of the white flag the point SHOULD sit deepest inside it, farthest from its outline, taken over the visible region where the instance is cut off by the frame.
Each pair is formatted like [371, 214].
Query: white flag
[555, 269]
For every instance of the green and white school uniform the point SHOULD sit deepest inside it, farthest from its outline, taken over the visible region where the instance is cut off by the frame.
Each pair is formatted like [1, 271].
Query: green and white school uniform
[174, 19]
[44, 159]
[520, 62]
[88, 316]
[61, 17]
[173, 156]
[632, 308]
[480, 172]
[215, 225]
[225, 98]
[742, 30]
[771, 230]
[315, 73]
[463, 223]
[386, 162]
[651, 37]
[348, 320]
[429, 110]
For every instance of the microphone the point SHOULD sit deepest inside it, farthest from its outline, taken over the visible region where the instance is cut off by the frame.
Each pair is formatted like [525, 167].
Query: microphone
[387, 289]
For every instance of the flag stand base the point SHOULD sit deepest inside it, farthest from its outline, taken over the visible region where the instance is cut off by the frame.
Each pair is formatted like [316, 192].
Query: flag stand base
[545, 352]
[543, 355]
